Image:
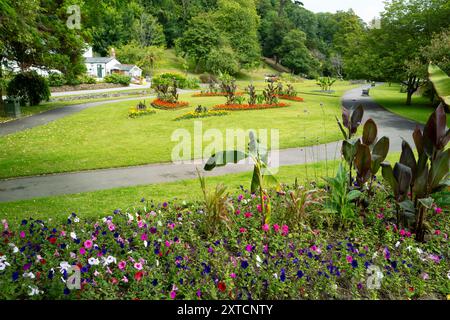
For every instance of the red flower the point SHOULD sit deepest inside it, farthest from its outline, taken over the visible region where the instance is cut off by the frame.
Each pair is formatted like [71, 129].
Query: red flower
[293, 98]
[52, 240]
[138, 276]
[43, 261]
[221, 286]
[161, 104]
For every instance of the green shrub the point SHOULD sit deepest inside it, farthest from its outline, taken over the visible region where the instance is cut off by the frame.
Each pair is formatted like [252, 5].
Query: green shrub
[56, 79]
[117, 79]
[87, 79]
[30, 87]
[208, 78]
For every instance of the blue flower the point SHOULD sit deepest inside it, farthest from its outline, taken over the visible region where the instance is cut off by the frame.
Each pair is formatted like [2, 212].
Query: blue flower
[154, 282]
[24, 222]
[66, 291]
[354, 263]
[300, 274]
[15, 276]
[282, 275]
[244, 264]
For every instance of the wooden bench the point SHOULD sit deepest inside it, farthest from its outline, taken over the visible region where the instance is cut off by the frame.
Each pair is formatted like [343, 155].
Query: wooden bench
[365, 92]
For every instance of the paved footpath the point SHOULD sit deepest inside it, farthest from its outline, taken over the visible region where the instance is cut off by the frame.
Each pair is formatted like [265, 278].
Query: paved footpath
[389, 124]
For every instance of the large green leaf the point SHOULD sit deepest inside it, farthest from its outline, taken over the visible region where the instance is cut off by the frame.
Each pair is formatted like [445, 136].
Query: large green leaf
[349, 149]
[388, 175]
[222, 158]
[441, 82]
[370, 132]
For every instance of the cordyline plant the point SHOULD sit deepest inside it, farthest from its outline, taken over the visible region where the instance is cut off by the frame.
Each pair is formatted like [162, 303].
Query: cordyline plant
[365, 154]
[413, 180]
[252, 96]
[167, 91]
[228, 87]
[325, 83]
[262, 176]
[270, 94]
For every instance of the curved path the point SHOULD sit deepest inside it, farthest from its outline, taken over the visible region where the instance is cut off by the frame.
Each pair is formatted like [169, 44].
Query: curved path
[58, 113]
[389, 124]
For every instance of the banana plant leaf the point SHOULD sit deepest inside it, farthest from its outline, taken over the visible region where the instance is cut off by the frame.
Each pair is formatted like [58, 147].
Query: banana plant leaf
[222, 158]
[441, 82]
[370, 132]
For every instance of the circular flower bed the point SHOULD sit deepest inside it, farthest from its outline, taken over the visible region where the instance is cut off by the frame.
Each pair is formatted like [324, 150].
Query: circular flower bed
[292, 98]
[238, 107]
[164, 105]
[214, 94]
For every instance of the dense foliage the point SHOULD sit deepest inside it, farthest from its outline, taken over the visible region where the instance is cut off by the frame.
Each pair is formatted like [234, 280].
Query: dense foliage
[29, 87]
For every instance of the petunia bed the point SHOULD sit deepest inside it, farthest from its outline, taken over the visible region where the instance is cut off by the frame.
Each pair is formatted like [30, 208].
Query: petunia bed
[161, 252]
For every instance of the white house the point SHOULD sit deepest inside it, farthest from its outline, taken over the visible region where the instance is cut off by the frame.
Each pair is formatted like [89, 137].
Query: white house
[99, 67]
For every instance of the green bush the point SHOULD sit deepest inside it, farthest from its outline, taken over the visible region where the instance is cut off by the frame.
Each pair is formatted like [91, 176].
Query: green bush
[207, 78]
[182, 81]
[118, 79]
[30, 87]
[56, 79]
[87, 79]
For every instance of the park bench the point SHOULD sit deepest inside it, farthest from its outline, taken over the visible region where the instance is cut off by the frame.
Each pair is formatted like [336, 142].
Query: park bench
[365, 92]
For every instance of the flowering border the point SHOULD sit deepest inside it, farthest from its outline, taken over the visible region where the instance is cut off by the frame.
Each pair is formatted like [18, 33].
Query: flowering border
[214, 94]
[239, 107]
[164, 105]
[195, 115]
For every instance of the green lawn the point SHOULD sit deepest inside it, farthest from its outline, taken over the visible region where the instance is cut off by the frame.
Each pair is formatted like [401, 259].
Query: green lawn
[104, 137]
[46, 106]
[393, 100]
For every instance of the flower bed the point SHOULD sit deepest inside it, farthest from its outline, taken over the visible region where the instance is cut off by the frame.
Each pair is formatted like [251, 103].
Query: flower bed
[292, 98]
[161, 252]
[238, 107]
[214, 94]
[195, 115]
[164, 105]
[135, 112]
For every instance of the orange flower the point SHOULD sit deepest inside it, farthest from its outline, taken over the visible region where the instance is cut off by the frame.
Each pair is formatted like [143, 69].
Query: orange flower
[161, 104]
[293, 98]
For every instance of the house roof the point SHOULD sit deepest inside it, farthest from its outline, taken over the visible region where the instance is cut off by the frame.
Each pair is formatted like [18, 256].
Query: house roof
[99, 59]
[125, 67]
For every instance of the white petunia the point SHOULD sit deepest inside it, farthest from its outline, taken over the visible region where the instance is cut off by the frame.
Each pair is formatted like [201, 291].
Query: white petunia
[110, 259]
[73, 235]
[448, 275]
[29, 275]
[34, 291]
[64, 266]
[13, 246]
[258, 261]
[145, 244]
[2, 266]
[397, 244]
[93, 261]
[160, 223]
[76, 219]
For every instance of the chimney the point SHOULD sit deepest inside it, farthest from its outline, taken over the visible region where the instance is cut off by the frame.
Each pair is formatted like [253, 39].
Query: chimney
[113, 53]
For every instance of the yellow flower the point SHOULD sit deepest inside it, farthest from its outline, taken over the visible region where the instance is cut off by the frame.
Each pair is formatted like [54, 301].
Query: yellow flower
[448, 297]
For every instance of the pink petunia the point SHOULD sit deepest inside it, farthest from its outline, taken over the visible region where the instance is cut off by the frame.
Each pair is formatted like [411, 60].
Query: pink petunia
[140, 224]
[173, 294]
[88, 244]
[438, 210]
[248, 215]
[144, 237]
[122, 265]
[349, 259]
[232, 275]
[111, 227]
[242, 230]
[284, 230]
[266, 227]
[276, 227]
[82, 250]
[249, 248]
[259, 208]
[138, 266]
[22, 234]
